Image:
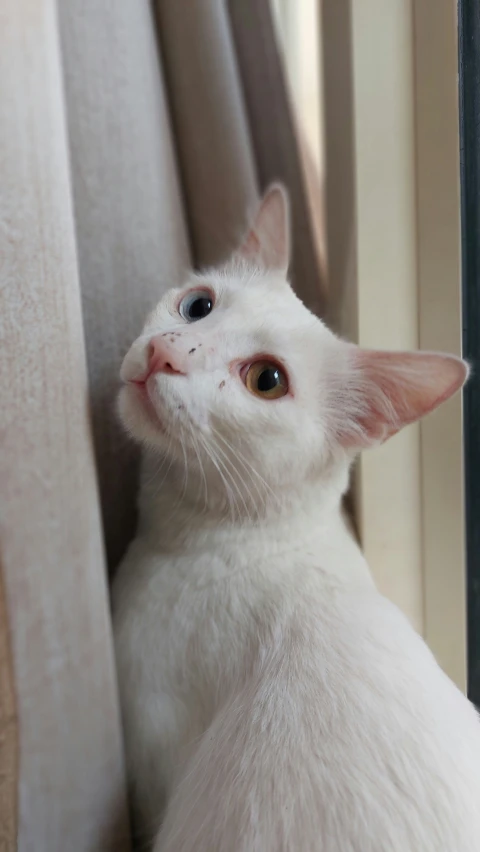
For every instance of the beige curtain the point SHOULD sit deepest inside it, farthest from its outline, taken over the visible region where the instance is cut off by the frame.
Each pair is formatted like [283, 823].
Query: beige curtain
[131, 234]
[131, 145]
[70, 781]
[276, 144]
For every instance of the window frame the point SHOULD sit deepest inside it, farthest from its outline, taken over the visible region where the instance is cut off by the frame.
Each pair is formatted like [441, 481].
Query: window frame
[469, 97]
[409, 493]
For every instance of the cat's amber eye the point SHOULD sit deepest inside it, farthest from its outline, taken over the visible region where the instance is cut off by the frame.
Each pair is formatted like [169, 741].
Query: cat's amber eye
[266, 379]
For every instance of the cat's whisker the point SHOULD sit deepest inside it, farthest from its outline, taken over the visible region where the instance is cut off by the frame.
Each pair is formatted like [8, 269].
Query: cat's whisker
[185, 478]
[235, 483]
[157, 469]
[182, 493]
[219, 467]
[248, 467]
[253, 471]
[229, 483]
[201, 468]
[195, 513]
[159, 485]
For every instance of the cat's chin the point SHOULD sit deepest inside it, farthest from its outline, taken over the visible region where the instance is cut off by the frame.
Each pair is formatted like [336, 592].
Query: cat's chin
[138, 413]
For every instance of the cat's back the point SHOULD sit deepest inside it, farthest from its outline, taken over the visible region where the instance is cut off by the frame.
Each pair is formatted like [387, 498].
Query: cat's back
[346, 735]
[307, 695]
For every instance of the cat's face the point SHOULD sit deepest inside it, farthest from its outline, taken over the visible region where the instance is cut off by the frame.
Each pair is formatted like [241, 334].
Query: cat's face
[233, 359]
[233, 373]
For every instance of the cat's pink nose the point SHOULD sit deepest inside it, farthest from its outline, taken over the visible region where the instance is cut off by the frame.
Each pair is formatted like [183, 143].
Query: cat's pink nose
[162, 357]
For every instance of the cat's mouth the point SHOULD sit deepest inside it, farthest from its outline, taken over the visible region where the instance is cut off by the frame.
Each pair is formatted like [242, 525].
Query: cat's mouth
[156, 411]
[143, 395]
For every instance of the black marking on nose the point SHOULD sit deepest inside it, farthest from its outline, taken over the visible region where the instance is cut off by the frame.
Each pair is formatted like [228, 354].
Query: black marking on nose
[221, 385]
[192, 351]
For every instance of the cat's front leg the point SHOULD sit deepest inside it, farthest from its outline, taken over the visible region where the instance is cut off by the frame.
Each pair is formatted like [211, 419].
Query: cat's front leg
[155, 731]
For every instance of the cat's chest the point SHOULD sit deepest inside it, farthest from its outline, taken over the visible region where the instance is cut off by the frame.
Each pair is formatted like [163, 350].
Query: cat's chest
[195, 619]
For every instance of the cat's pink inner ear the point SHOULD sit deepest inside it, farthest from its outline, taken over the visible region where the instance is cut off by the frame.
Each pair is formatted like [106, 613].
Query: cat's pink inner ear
[392, 389]
[267, 241]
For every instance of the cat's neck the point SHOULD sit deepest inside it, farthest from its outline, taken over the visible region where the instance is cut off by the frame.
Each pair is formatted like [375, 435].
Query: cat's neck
[177, 518]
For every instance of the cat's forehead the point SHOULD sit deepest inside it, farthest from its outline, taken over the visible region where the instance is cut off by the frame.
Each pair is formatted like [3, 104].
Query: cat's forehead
[250, 297]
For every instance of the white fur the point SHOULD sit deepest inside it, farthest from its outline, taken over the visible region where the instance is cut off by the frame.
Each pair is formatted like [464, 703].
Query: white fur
[273, 700]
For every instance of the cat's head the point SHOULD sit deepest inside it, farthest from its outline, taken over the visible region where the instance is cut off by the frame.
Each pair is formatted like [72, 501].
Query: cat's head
[234, 377]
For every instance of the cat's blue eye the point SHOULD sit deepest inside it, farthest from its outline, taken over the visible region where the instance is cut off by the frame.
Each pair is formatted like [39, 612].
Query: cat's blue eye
[196, 305]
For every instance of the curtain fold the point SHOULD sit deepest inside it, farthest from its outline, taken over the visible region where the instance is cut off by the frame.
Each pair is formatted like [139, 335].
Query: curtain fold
[131, 235]
[210, 124]
[70, 775]
[276, 146]
[8, 734]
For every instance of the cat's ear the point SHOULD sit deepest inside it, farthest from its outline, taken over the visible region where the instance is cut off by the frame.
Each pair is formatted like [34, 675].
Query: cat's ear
[267, 241]
[385, 391]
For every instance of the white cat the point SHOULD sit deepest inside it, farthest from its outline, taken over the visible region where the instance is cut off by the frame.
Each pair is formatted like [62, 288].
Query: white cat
[273, 700]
